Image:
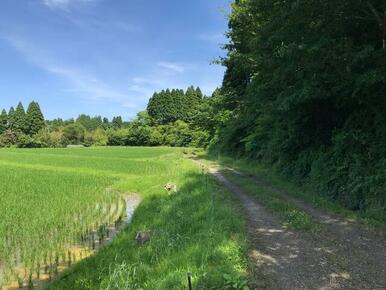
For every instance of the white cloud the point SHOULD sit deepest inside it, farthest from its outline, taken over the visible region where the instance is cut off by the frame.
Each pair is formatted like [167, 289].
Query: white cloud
[100, 25]
[216, 38]
[63, 4]
[145, 81]
[172, 66]
[160, 78]
[85, 83]
[89, 86]
[154, 82]
[142, 91]
[130, 105]
[56, 3]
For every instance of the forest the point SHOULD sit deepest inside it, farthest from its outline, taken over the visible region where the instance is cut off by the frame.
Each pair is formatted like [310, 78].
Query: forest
[303, 93]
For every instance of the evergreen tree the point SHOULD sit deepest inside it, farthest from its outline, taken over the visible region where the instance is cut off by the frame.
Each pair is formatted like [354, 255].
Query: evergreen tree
[117, 122]
[167, 106]
[199, 94]
[35, 119]
[105, 123]
[90, 123]
[192, 100]
[11, 118]
[20, 121]
[3, 121]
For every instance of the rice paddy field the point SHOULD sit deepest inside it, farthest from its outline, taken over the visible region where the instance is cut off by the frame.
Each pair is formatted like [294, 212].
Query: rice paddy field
[59, 206]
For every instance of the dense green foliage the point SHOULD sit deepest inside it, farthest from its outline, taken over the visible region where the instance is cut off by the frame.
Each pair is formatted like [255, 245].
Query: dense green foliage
[19, 119]
[304, 90]
[34, 118]
[18, 126]
[3, 121]
[171, 105]
[173, 118]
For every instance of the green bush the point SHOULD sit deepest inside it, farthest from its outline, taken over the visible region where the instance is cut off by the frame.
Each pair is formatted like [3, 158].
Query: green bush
[25, 141]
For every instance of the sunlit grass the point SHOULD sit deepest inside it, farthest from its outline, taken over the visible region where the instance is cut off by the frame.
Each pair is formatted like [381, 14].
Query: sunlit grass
[373, 220]
[197, 230]
[290, 215]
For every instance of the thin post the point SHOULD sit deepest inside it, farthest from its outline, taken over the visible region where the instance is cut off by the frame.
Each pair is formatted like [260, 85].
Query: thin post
[190, 281]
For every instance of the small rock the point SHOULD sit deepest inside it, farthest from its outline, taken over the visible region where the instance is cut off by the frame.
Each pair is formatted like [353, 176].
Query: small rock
[142, 237]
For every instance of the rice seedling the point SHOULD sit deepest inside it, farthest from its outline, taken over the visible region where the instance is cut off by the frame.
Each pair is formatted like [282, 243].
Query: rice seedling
[52, 200]
[59, 206]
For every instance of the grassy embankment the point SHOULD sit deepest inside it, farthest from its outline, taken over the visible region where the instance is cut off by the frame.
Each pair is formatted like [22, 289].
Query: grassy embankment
[275, 199]
[198, 230]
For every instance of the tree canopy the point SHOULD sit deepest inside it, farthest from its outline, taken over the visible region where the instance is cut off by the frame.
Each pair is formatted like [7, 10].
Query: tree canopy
[34, 118]
[3, 121]
[304, 90]
[169, 106]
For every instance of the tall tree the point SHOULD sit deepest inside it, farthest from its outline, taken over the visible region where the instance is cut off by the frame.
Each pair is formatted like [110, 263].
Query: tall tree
[169, 106]
[163, 107]
[74, 134]
[117, 122]
[35, 119]
[192, 100]
[304, 84]
[20, 121]
[11, 118]
[90, 123]
[105, 123]
[3, 121]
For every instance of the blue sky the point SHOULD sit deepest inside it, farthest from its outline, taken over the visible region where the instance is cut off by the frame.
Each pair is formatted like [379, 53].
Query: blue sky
[107, 57]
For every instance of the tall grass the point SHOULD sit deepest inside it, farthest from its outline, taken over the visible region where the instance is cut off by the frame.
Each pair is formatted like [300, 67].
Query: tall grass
[199, 230]
[373, 219]
[56, 197]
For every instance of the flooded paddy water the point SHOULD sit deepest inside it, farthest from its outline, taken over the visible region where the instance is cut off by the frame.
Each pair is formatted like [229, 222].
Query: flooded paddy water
[116, 217]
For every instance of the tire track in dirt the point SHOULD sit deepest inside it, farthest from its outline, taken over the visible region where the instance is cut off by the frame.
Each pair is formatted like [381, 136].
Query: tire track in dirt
[285, 259]
[364, 251]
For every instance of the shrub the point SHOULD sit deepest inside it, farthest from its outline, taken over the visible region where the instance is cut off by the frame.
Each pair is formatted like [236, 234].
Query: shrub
[25, 141]
[8, 138]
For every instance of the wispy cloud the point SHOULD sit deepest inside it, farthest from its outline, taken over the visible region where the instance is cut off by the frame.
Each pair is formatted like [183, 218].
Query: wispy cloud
[98, 25]
[216, 38]
[141, 91]
[80, 81]
[154, 82]
[172, 66]
[131, 105]
[170, 75]
[56, 3]
[63, 4]
[145, 81]
[86, 84]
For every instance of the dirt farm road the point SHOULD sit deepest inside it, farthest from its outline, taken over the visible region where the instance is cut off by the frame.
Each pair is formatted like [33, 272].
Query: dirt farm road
[341, 256]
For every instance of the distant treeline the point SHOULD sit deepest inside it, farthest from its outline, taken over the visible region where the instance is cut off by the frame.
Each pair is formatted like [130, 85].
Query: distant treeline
[173, 118]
